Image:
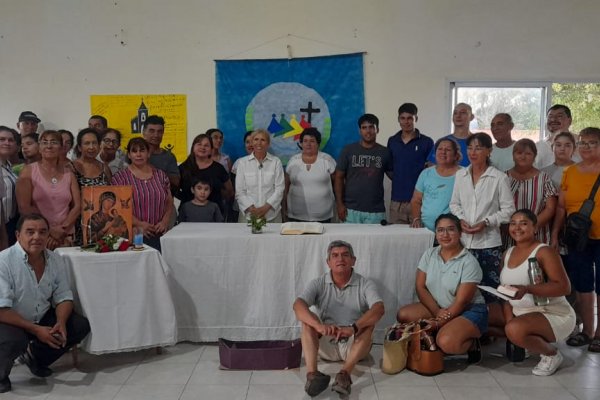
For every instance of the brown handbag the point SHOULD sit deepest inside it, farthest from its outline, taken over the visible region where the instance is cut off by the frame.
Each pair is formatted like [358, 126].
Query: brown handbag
[424, 357]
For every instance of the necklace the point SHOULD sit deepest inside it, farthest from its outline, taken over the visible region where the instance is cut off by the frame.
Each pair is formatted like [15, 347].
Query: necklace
[53, 178]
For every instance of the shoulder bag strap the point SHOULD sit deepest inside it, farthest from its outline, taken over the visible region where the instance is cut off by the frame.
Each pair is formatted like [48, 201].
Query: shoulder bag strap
[588, 205]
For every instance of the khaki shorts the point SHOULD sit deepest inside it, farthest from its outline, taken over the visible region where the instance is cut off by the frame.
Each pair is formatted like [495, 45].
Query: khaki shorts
[400, 212]
[334, 351]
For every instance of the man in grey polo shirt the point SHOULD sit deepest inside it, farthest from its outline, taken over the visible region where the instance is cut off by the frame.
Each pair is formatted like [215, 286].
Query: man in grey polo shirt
[348, 307]
[36, 303]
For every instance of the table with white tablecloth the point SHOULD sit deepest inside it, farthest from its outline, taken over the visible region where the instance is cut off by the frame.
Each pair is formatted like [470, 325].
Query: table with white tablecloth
[228, 282]
[125, 296]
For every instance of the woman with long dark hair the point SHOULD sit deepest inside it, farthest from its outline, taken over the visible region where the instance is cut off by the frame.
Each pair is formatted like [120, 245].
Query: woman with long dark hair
[200, 165]
[446, 285]
[529, 325]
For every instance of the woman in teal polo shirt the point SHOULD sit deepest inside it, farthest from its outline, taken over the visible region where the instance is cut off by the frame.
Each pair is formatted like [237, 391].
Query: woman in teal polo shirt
[446, 284]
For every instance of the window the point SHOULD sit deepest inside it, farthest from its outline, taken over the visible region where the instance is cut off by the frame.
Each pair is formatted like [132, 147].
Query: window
[584, 101]
[525, 102]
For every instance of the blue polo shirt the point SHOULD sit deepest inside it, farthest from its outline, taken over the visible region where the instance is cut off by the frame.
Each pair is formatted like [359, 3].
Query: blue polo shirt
[20, 289]
[462, 143]
[408, 160]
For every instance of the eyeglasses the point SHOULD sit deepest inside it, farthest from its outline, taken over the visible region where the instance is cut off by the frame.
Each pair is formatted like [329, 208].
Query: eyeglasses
[49, 143]
[449, 230]
[589, 145]
[110, 141]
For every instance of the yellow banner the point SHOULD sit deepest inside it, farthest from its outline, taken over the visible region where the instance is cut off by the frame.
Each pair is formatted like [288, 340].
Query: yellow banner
[127, 113]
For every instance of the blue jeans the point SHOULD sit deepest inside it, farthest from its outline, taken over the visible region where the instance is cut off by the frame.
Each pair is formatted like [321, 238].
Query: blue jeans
[581, 267]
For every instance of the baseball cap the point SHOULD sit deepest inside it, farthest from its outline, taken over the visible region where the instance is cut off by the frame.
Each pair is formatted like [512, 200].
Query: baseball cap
[28, 116]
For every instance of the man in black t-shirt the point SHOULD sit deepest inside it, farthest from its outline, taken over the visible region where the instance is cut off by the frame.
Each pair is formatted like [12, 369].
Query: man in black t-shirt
[359, 176]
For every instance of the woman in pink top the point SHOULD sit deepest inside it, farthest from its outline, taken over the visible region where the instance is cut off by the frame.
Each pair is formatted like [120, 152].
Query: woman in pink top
[47, 188]
[152, 200]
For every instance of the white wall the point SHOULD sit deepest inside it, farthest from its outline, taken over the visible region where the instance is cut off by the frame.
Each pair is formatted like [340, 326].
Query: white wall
[55, 53]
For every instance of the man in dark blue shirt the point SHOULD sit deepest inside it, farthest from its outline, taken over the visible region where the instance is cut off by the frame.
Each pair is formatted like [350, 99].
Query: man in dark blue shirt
[409, 149]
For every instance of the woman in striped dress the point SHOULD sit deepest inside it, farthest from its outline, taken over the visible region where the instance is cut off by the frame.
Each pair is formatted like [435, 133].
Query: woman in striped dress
[151, 200]
[532, 189]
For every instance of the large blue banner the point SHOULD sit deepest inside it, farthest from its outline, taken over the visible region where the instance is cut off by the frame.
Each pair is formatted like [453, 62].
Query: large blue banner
[286, 96]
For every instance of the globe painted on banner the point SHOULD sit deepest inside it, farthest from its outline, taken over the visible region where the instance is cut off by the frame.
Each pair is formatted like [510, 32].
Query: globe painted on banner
[285, 109]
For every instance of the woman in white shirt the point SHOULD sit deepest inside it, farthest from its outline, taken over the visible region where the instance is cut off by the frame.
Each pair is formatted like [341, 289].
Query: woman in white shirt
[259, 181]
[482, 200]
[308, 182]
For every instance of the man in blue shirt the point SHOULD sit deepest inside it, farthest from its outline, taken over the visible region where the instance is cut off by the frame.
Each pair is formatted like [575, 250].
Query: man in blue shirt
[461, 118]
[36, 304]
[409, 149]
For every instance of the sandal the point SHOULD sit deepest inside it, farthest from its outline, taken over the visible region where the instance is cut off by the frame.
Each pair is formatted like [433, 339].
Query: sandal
[594, 346]
[578, 340]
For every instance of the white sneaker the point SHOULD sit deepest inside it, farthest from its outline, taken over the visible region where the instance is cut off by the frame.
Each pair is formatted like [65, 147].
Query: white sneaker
[548, 364]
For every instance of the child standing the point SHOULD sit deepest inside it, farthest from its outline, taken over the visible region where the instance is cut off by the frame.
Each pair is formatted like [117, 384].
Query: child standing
[200, 209]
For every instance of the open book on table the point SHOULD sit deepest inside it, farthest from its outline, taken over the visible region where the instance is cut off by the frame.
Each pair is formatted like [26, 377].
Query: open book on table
[301, 228]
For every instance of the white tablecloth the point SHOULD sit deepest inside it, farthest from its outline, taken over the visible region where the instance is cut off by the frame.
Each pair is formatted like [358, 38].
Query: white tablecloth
[227, 282]
[125, 296]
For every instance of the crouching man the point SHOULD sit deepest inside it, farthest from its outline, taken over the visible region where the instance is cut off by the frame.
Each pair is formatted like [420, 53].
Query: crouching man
[37, 321]
[348, 307]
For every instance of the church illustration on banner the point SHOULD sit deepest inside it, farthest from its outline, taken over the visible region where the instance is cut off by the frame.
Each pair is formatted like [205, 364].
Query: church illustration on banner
[285, 109]
[137, 122]
[292, 128]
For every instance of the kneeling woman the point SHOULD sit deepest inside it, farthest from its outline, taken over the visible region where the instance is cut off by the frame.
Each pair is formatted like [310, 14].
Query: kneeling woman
[447, 279]
[529, 325]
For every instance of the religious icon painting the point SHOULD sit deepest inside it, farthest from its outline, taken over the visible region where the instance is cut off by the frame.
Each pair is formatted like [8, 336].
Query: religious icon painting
[106, 210]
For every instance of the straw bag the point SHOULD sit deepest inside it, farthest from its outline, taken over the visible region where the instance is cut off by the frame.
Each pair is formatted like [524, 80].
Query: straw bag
[395, 347]
[424, 357]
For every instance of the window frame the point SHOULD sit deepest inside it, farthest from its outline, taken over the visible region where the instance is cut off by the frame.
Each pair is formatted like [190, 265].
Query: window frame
[545, 86]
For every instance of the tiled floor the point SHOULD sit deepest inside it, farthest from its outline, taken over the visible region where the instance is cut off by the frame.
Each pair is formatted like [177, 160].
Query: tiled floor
[190, 371]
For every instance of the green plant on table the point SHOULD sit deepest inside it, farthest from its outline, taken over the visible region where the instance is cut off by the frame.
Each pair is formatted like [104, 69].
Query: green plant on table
[257, 223]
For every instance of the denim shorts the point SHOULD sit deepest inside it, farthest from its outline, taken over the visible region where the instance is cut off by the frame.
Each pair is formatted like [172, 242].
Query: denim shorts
[478, 315]
[581, 266]
[361, 217]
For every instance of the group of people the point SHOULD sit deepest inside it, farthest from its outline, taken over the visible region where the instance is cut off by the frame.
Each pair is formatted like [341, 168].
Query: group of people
[494, 207]
[483, 183]
[348, 305]
[463, 187]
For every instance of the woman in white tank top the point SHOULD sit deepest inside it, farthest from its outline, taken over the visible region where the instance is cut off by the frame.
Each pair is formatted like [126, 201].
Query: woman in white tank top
[528, 325]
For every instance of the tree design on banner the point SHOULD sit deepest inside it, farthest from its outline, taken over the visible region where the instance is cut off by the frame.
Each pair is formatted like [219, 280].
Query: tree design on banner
[287, 96]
